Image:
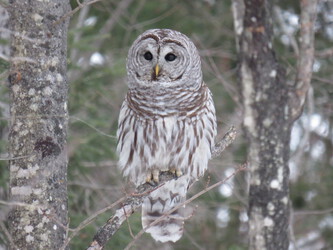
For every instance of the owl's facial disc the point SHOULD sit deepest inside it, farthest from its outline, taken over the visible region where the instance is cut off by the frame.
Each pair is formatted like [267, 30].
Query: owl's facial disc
[163, 58]
[161, 61]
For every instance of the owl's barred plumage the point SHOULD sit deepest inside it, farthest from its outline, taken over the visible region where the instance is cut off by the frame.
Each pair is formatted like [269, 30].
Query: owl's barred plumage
[167, 122]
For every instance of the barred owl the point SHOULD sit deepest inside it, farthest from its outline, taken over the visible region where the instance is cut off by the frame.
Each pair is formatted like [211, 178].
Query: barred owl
[167, 123]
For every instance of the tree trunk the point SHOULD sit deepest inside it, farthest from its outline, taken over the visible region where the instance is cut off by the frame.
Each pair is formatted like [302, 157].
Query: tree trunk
[264, 94]
[270, 108]
[38, 128]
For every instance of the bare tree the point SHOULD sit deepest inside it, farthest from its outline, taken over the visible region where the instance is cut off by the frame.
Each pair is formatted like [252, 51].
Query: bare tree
[38, 126]
[270, 107]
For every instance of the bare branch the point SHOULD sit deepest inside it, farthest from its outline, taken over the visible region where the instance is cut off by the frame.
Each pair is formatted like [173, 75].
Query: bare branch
[15, 158]
[77, 35]
[227, 139]
[131, 204]
[156, 19]
[24, 37]
[314, 212]
[87, 221]
[71, 13]
[134, 201]
[19, 204]
[128, 224]
[105, 29]
[241, 168]
[324, 53]
[91, 126]
[306, 55]
[324, 80]
[238, 9]
[17, 59]
[284, 26]
[9, 237]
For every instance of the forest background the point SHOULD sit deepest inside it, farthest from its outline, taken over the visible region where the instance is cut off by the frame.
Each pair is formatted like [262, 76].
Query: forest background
[98, 41]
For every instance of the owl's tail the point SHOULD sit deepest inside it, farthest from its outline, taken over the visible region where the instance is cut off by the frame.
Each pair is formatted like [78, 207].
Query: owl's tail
[157, 206]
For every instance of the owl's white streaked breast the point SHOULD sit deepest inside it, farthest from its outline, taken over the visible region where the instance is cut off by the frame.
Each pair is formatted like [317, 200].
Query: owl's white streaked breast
[175, 139]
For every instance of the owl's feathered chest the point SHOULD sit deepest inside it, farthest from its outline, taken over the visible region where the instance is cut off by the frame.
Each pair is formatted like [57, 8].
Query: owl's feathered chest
[162, 135]
[151, 104]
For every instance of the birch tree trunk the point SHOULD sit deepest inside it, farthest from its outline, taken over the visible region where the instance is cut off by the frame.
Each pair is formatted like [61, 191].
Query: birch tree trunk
[38, 128]
[270, 107]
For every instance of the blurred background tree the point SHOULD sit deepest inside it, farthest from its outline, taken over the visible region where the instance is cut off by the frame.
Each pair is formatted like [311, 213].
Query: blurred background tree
[99, 37]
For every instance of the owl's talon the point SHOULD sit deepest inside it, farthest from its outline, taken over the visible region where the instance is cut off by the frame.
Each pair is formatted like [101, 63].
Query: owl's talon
[176, 172]
[179, 173]
[156, 175]
[148, 178]
[172, 171]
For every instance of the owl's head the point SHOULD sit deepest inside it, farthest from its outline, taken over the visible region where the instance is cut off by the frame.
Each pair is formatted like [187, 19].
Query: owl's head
[163, 58]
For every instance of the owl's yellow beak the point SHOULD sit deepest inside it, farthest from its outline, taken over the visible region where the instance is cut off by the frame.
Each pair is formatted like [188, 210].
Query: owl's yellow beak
[157, 70]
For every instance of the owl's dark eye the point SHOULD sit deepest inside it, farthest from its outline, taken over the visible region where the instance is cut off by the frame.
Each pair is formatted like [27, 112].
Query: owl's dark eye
[170, 57]
[148, 56]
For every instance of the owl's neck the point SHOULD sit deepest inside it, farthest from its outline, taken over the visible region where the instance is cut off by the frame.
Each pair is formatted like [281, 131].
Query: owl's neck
[154, 103]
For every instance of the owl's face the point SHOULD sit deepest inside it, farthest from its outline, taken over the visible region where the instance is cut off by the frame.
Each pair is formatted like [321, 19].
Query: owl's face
[163, 58]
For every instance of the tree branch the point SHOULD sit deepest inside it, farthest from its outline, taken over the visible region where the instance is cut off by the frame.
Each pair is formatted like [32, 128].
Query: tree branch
[306, 55]
[72, 12]
[134, 201]
[105, 29]
[208, 188]
[227, 139]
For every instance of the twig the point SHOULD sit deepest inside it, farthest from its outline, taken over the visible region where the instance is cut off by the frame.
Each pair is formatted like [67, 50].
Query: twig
[17, 59]
[19, 204]
[134, 201]
[15, 158]
[91, 126]
[87, 221]
[193, 241]
[324, 53]
[106, 29]
[314, 212]
[227, 139]
[214, 69]
[77, 36]
[24, 37]
[62, 116]
[128, 224]
[285, 29]
[169, 12]
[8, 235]
[324, 80]
[72, 12]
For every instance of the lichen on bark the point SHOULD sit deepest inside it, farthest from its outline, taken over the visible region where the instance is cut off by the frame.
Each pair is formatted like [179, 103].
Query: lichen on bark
[263, 91]
[38, 127]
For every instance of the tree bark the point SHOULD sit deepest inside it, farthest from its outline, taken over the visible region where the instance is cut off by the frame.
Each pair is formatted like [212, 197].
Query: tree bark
[38, 127]
[264, 94]
[270, 107]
